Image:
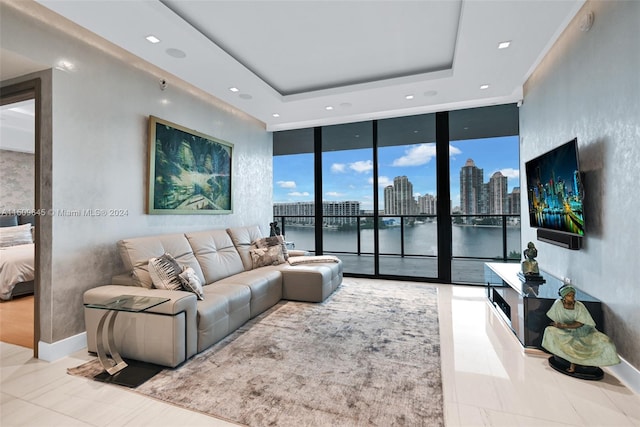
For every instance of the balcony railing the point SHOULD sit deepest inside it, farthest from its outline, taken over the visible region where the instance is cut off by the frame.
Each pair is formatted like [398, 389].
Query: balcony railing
[408, 243]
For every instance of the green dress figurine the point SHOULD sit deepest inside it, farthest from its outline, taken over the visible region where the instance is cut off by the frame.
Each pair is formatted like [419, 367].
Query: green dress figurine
[578, 348]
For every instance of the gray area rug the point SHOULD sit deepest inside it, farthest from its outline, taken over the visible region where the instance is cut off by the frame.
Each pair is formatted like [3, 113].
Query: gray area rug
[368, 355]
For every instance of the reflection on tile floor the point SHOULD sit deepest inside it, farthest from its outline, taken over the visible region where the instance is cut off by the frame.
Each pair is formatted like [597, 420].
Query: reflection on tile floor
[487, 381]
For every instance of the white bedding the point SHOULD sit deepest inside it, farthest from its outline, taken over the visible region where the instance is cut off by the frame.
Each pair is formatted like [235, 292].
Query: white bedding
[16, 265]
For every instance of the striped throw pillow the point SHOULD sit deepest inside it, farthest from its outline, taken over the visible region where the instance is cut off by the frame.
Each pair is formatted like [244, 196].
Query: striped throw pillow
[164, 272]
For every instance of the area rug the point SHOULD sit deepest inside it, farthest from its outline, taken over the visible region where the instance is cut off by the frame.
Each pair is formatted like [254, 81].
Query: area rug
[368, 355]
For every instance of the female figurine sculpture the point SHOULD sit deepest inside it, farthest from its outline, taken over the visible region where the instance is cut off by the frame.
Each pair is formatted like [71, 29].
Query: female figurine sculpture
[573, 337]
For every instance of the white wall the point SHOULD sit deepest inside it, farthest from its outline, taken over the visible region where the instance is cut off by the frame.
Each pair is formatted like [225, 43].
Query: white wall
[588, 87]
[99, 157]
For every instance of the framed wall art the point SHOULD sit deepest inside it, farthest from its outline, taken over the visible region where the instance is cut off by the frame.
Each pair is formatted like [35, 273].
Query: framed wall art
[189, 172]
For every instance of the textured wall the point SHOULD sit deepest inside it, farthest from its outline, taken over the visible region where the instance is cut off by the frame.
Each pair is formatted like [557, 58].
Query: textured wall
[17, 180]
[99, 156]
[588, 87]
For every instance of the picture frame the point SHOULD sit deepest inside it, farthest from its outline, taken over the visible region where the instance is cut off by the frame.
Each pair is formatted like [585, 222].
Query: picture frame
[189, 171]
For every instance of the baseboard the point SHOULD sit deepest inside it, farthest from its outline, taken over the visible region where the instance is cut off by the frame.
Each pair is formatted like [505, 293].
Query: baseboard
[53, 351]
[627, 374]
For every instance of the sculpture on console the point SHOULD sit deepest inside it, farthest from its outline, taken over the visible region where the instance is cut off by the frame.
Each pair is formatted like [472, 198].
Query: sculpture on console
[530, 270]
[578, 348]
[275, 230]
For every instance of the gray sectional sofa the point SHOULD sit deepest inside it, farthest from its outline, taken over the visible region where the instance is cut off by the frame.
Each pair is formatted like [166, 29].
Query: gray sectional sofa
[234, 292]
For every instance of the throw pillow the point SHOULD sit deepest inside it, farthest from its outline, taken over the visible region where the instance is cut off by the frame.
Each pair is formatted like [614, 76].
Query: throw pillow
[13, 236]
[190, 282]
[164, 272]
[285, 251]
[267, 251]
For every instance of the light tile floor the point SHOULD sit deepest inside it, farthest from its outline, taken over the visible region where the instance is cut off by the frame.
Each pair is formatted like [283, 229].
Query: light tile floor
[488, 381]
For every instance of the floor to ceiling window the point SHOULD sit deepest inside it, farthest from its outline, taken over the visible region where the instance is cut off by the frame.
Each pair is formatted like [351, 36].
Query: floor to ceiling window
[293, 187]
[378, 185]
[407, 196]
[485, 188]
[347, 195]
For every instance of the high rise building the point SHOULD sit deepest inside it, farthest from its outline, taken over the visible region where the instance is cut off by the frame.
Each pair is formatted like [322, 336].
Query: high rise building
[334, 213]
[427, 204]
[299, 213]
[497, 192]
[513, 201]
[491, 198]
[471, 188]
[389, 200]
[340, 213]
[398, 198]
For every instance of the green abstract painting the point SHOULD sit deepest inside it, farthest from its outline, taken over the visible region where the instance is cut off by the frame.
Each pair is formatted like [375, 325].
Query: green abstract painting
[189, 172]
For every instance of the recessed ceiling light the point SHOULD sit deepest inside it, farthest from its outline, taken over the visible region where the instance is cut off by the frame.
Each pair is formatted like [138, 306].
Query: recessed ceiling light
[328, 108]
[484, 87]
[234, 89]
[276, 115]
[152, 39]
[176, 53]
[408, 97]
[504, 45]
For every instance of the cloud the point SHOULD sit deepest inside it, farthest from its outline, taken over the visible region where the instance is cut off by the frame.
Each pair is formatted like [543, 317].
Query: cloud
[383, 181]
[298, 194]
[510, 173]
[454, 150]
[286, 184]
[334, 194]
[416, 155]
[338, 167]
[361, 166]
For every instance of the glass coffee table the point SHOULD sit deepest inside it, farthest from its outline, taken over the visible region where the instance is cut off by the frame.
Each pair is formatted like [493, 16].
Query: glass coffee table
[128, 373]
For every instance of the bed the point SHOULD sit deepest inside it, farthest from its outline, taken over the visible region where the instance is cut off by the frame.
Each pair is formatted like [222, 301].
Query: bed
[17, 270]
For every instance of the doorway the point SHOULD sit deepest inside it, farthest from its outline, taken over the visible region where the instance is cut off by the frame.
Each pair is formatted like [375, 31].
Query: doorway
[19, 145]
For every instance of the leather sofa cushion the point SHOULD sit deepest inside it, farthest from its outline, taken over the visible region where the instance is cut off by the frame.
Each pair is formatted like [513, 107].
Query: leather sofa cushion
[136, 252]
[216, 254]
[242, 238]
[265, 284]
[224, 309]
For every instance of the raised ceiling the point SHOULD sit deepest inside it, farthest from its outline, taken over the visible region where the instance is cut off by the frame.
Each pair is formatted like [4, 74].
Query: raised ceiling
[307, 63]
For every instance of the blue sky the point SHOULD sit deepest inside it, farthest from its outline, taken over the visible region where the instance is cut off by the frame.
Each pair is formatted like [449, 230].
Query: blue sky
[348, 174]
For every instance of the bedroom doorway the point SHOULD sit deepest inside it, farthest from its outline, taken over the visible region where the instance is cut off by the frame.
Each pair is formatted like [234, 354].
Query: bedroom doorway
[19, 188]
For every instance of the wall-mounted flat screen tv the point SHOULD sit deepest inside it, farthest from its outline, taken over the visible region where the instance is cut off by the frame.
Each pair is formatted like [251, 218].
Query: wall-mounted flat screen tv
[554, 190]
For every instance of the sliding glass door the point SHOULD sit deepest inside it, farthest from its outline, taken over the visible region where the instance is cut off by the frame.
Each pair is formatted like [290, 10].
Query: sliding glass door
[347, 195]
[294, 188]
[406, 191]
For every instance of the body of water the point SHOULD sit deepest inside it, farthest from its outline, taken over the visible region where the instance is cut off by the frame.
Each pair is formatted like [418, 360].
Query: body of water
[419, 239]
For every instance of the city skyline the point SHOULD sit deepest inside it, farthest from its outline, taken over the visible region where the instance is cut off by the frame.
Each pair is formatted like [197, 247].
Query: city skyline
[348, 174]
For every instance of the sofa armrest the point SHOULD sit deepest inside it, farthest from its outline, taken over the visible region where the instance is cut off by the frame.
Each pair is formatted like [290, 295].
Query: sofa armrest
[166, 334]
[179, 301]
